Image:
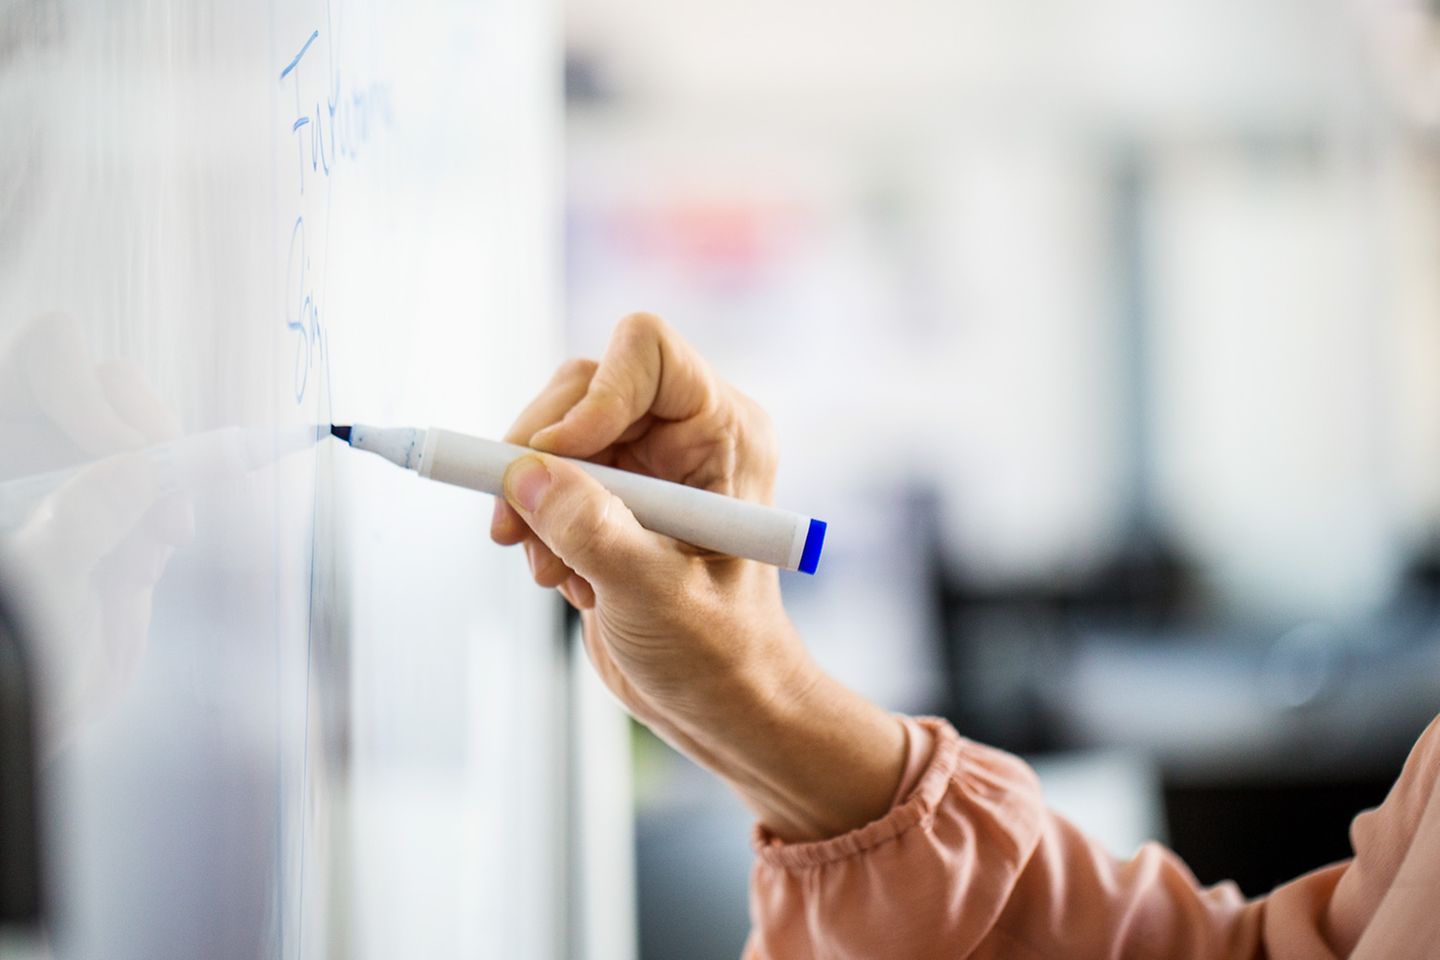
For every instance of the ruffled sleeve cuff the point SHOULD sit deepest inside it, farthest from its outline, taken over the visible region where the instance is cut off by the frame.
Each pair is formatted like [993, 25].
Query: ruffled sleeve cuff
[938, 761]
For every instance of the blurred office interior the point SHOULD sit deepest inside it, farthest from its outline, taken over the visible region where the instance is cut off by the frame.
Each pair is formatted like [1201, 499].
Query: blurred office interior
[1105, 335]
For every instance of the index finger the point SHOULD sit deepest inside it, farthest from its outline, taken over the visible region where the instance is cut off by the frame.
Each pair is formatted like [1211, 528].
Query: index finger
[564, 390]
[566, 387]
[647, 369]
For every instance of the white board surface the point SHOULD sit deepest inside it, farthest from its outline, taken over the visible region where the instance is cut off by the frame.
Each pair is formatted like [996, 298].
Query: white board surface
[297, 705]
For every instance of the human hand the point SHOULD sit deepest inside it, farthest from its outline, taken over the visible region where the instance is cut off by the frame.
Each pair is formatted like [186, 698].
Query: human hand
[670, 628]
[697, 646]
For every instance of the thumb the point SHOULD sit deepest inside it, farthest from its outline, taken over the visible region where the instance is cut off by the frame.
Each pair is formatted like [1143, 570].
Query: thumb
[586, 526]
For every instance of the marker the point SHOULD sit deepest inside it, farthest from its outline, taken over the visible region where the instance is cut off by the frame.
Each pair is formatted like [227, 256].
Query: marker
[705, 519]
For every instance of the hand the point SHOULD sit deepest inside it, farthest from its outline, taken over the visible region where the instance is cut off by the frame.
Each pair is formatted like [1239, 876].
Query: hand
[658, 614]
[697, 646]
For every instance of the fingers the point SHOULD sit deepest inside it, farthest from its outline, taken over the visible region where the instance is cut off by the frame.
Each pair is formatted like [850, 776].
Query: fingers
[647, 369]
[648, 378]
[659, 376]
[506, 527]
[560, 394]
[588, 529]
[579, 592]
[700, 452]
[547, 569]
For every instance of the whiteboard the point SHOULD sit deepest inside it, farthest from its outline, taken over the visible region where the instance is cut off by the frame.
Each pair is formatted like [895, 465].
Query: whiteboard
[296, 704]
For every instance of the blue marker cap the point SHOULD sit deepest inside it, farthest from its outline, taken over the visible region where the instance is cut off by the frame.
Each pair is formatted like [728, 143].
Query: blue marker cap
[814, 540]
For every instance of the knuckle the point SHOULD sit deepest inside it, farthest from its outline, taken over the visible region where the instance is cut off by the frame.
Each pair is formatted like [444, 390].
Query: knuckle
[576, 368]
[752, 434]
[729, 443]
[640, 324]
[588, 531]
[551, 572]
[608, 391]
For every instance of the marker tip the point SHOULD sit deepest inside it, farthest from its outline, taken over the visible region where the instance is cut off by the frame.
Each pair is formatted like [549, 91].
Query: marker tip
[340, 433]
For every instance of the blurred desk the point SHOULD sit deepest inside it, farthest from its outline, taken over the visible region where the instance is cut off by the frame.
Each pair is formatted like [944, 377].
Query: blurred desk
[1266, 751]
[1211, 709]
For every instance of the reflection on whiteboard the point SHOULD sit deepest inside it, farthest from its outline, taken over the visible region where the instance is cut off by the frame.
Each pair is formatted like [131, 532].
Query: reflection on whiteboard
[293, 707]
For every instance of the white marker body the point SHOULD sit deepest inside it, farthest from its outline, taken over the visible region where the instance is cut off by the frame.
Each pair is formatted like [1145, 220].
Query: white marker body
[712, 521]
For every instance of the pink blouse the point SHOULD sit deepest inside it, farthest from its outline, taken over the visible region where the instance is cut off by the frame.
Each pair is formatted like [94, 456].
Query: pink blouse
[972, 864]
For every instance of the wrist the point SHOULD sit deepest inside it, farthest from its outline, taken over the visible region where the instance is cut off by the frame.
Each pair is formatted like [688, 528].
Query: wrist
[812, 758]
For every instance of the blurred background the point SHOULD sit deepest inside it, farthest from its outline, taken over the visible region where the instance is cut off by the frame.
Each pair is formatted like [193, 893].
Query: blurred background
[1105, 335]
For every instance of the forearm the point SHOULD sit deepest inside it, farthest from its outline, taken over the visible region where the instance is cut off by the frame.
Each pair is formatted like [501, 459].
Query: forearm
[812, 758]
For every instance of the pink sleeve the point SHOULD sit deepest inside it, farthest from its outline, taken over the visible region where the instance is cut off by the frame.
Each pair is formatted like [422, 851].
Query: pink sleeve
[971, 864]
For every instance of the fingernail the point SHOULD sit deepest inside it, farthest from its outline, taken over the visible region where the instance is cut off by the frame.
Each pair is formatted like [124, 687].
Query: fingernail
[526, 481]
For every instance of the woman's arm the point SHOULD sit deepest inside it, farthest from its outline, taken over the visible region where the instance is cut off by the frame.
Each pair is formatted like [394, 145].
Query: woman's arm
[698, 647]
[973, 865]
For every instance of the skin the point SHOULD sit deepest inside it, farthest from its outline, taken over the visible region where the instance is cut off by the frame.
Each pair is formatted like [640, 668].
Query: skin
[697, 646]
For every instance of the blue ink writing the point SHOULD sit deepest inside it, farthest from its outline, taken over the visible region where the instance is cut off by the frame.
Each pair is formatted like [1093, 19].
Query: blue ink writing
[331, 122]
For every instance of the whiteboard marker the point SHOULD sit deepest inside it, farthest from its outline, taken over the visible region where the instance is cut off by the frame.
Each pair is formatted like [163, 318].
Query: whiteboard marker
[705, 519]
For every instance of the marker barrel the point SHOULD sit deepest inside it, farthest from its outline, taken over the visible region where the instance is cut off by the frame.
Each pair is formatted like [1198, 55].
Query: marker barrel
[705, 519]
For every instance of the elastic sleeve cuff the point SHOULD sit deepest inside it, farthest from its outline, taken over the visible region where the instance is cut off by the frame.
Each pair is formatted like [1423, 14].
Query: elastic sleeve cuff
[919, 748]
[945, 760]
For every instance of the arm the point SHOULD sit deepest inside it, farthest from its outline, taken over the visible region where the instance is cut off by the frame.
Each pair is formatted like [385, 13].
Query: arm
[973, 865]
[698, 647]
